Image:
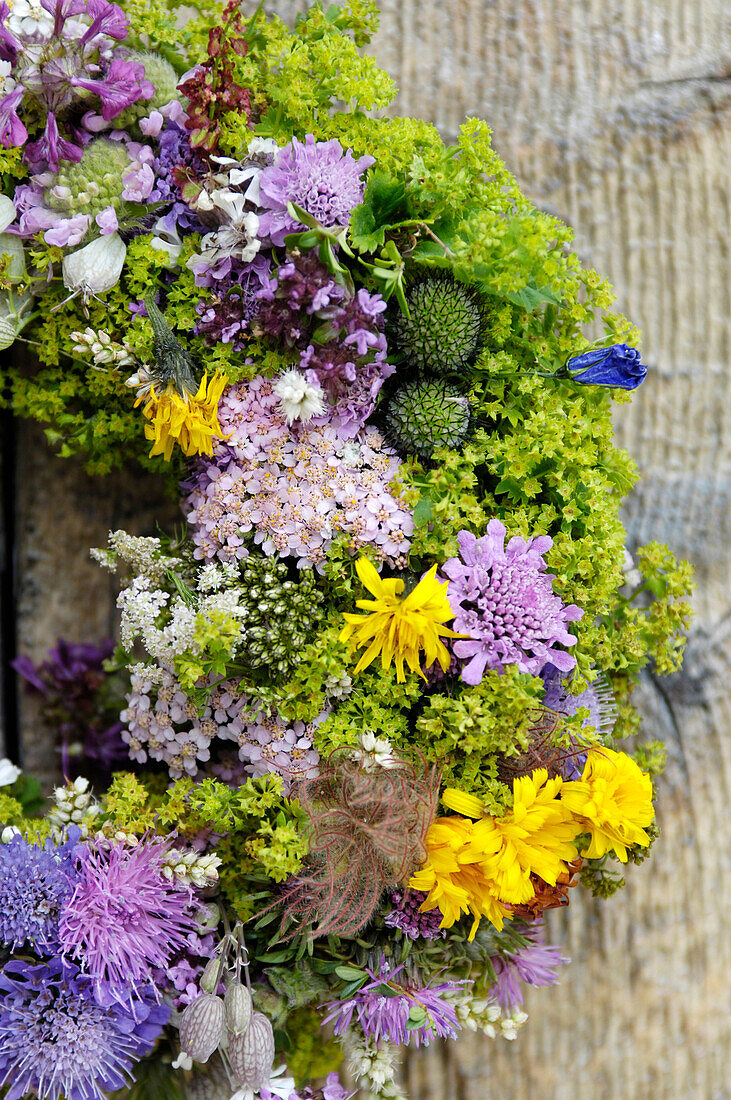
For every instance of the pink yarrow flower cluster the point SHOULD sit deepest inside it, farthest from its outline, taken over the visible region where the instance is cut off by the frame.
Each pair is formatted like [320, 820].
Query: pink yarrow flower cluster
[292, 489]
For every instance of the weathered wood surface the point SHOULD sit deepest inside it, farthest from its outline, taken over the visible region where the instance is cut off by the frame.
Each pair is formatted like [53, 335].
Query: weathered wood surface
[615, 115]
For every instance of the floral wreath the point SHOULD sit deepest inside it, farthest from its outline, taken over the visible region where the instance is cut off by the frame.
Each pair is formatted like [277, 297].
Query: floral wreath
[361, 725]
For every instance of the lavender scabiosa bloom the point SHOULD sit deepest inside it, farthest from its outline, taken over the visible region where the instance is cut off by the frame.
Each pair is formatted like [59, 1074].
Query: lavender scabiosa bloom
[619, 365]
[406, 915]
[503, 601]
[535, 964]
[317, 176]
[597, 698]
[397, 1011]
[36, 882]
[58, 1043]
[125, 920]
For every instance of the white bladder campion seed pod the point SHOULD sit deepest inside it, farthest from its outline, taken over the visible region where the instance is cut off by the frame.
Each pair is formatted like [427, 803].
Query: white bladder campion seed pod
[96, 267]
[201, 1027]
[211, 976]
[252, 1053]
[239, 1008]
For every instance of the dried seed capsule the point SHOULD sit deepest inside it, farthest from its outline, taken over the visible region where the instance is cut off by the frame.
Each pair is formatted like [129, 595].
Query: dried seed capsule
[252, 1053]
[201, 1027]
[239, 1008]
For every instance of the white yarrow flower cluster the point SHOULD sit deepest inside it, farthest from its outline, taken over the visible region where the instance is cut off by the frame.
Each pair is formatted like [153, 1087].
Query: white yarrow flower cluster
[141, 554]
[214, 576]
[373, 1064]
[300, 399]
[103, 350]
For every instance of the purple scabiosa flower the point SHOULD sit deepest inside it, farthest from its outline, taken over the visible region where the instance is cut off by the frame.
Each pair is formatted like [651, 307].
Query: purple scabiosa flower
[58, 1043]
[503, 601]
[535, 964]
[125, 920]
[36, 882]
[406, 915]
[599, 700]
[316, 175]
[397, 1011]
[619, 365]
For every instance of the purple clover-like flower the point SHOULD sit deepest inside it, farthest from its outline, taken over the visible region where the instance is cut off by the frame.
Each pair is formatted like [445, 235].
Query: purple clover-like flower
[317, 176]
[58, 1043]
[536, 964]
[397, 1011]
[503, 601]
[125, 920]
[36, 882]
[406, 915]
[619, 365]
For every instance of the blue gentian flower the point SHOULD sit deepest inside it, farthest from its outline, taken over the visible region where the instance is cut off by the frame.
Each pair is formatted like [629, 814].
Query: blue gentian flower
[618, 365]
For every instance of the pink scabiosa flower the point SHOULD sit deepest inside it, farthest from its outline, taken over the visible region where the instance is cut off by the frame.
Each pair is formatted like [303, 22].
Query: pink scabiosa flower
[392, 1008]
[317, 176]
[503, 601]
[125, 920]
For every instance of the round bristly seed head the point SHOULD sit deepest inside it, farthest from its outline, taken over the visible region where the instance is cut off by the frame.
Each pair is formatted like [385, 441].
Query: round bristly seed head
[252, 1053]
[425, 414]
[201, 1027]
[443, 332]
[239, 1008]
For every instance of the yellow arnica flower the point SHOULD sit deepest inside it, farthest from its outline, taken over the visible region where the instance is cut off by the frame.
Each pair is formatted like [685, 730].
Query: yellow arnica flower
[612, 801]
[190, 420]
[484, 866]
[400, 629]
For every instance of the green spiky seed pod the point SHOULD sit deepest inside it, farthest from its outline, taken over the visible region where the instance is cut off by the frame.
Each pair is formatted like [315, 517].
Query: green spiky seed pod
[281, 615]
[93, 184]
[425, 414]
[443, 334]
[161, 73]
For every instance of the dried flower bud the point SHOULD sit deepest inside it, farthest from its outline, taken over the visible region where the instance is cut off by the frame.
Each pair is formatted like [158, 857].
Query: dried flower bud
[239, 1008]
[210, 977]
[201, 1027]
[252, 1053]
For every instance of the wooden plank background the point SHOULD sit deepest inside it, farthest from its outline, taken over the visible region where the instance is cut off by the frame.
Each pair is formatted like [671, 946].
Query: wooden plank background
[614, 114]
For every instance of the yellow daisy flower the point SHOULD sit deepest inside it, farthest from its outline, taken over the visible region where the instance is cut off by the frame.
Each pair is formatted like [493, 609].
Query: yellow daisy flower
[400, 629]
[189, 420]
[612, 801]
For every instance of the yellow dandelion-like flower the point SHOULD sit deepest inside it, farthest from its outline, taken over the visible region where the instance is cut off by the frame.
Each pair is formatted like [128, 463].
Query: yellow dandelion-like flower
[612, 801]
[482, 864]
[189, 420]
[400, 629]
[453, 877]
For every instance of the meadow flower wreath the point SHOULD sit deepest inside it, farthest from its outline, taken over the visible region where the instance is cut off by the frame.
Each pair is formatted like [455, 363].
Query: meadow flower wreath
[361, 728]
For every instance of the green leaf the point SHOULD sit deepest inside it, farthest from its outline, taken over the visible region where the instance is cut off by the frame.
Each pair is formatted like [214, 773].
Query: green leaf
[350, 973]
[423, 511]
[531, 296]
[385, 206]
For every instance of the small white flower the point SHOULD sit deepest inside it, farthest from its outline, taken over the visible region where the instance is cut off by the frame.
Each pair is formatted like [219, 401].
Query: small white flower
[8, 772]
[8, 833]
[374, 752]
[278, 1086]
[96, 267]
[6, 81]
[300, 399]
[183, 1061]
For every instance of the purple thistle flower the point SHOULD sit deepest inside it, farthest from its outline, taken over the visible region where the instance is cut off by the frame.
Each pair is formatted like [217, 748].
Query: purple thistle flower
[57, 1043]
[35, 884]
[316, 175]
[619, 365]
[503, 601]
[397, 1011]
[536, 964]
[125, 920]
[406, 915]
